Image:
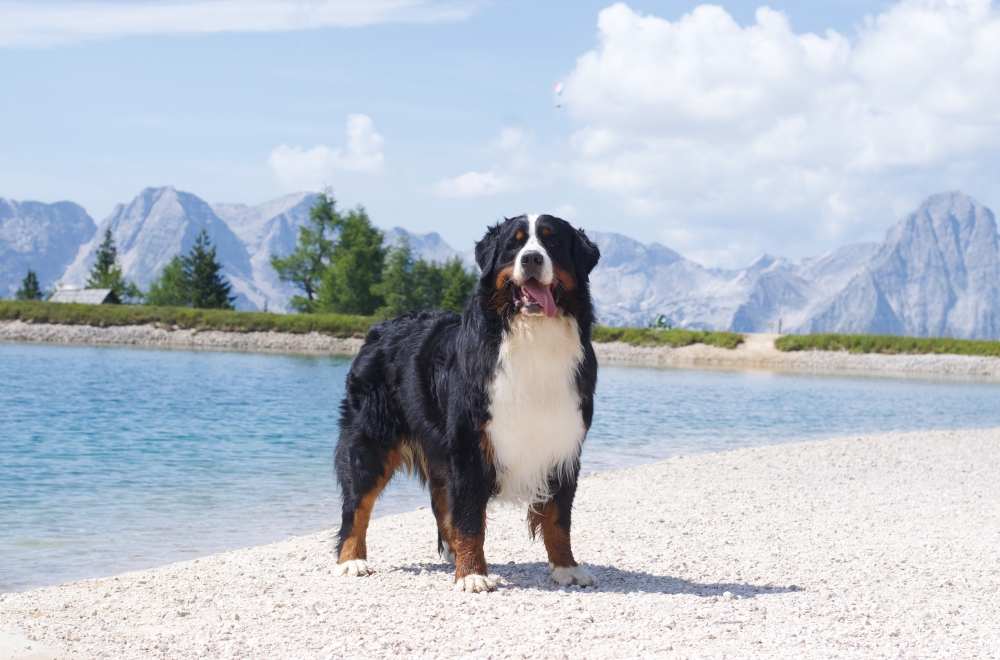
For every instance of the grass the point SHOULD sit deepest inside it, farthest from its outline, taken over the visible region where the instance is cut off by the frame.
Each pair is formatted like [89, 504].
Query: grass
[887, 344]
[673, 337]
[338, 325]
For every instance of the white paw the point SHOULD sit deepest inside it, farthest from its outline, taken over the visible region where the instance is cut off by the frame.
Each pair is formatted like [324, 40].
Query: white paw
[474, 584]
[448, 554]
[566, 575]
[354, 568]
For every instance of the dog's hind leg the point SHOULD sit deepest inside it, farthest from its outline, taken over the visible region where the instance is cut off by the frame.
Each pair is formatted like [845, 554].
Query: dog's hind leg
[363, 471]
[439, 505]
[552, 518]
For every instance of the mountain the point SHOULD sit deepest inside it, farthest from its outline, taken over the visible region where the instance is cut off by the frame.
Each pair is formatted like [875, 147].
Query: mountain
[158, 224]
[43, 237]
[429, 247]
[937, 273]
[266, 229]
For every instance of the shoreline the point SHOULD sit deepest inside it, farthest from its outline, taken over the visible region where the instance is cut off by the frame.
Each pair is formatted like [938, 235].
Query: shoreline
[757, 352]
[872, 547]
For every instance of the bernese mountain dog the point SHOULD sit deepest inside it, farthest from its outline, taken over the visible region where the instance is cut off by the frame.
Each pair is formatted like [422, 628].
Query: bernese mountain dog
[493, 403]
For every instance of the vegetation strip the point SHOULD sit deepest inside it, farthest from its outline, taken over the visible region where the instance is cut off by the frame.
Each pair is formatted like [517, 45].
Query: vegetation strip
[672, 337]
[338, 325]
[887, 344]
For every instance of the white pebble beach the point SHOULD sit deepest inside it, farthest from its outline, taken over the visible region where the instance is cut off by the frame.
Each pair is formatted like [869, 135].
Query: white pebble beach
[873, 547]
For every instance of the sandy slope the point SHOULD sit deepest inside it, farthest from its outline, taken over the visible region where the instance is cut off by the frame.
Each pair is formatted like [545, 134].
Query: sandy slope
[883, 546]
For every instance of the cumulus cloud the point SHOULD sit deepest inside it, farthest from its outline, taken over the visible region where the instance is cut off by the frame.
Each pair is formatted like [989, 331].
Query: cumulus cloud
[701, 121]
[516, 168]
[297, 169]
[41, 23]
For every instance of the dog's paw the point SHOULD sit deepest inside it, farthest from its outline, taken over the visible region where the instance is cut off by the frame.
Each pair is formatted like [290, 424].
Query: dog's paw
[566, 575]
[354, 568]
[448, 554]
[474, 584]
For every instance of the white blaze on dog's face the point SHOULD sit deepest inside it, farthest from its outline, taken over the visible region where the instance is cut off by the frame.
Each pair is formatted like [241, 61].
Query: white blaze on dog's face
[533, 274]
[535, 265]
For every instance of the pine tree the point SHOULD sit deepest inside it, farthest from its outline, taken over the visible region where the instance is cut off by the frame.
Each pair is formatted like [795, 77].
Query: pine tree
[170, 289]
[306, 266]
[29, 288]
[107, 274]
[206, 287]
[398, 285]
[459, 284]
[349, 284]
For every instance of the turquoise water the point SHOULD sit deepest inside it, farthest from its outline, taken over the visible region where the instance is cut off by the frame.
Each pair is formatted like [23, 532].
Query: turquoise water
[114, 459]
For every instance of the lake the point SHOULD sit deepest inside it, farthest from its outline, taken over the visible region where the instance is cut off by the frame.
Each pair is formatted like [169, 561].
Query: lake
[116, 459]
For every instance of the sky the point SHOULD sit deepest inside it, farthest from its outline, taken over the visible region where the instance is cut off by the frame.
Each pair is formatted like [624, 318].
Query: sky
[723, 131]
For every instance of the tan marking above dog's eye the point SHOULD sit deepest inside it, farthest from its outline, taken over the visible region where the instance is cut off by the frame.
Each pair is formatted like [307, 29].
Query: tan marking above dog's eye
[546, 231]
[519, 235]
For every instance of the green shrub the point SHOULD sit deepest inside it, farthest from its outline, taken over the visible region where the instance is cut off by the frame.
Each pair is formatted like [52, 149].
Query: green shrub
[339, 325]
[672, 337]
[887, 344]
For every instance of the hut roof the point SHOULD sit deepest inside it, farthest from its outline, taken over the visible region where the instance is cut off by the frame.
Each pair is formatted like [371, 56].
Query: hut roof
[85, 296]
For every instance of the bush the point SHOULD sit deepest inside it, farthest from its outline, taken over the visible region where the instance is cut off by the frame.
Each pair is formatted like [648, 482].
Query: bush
[673, 337]
[338, 325]
[887, 344]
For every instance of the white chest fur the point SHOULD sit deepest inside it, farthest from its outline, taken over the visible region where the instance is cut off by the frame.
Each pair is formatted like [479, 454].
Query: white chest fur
[537, 425]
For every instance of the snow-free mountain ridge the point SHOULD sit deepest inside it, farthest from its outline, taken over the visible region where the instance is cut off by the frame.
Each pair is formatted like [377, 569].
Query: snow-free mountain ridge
[937, 273]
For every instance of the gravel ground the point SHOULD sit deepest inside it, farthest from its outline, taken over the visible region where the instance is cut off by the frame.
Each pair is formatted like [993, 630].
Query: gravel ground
[872, 547]
[150, 336]
[757, 351]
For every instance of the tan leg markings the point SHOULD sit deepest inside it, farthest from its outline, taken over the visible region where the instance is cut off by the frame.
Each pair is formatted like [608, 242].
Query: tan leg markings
[439, 505]
[470, 562]
[565, 570]
[355, 551]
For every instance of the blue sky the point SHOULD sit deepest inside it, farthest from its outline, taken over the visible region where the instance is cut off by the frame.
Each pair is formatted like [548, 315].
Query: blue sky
[721, 132]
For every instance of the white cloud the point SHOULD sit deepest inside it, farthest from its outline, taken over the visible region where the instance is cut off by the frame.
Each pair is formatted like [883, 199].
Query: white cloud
[516, 169]
[474, 184]
[40, 23]
[298, 169]
[701, 122]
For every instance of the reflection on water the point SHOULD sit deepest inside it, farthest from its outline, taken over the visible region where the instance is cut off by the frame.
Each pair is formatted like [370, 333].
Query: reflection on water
[115, 459]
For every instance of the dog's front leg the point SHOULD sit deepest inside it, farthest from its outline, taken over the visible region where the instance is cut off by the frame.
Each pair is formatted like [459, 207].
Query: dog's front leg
[553, 519]
[468, 495]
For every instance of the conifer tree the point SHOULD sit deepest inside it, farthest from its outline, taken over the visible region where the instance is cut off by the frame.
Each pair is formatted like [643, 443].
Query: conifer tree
[170, 289]
[458, 285]
[306, 266]
[206, 287]
[29, 288]
[107, 274]
[349, 285]
[399, 282]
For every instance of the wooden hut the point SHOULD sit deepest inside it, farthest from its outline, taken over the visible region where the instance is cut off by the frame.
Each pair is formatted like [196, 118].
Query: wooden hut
[86, 297]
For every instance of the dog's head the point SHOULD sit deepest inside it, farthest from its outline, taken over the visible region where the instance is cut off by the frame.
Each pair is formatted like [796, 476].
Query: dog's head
[536, 265]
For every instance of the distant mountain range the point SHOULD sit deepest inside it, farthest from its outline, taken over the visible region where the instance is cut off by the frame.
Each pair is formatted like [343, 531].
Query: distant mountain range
[936, 274]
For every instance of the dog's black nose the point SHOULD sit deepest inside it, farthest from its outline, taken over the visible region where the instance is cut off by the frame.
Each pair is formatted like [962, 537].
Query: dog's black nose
[532, 259]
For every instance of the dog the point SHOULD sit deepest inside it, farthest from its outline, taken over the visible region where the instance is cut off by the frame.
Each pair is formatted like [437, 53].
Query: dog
[492, 404]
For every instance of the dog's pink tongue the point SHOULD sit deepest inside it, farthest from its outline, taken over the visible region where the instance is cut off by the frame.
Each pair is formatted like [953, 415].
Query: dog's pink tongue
[543, 295]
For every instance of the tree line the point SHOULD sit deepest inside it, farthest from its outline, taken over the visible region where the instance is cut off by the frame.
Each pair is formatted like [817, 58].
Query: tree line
[192, 280]
[340, 264]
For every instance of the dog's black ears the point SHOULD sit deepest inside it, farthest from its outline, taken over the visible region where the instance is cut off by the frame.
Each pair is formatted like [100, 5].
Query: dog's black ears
[585, 253]
[486, 250]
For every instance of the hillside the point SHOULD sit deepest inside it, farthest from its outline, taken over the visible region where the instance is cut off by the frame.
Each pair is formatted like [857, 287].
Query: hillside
[937, 273]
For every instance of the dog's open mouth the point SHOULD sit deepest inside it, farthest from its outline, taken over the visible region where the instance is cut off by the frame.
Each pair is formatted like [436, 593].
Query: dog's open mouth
[537, 298]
